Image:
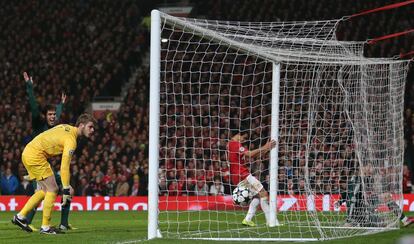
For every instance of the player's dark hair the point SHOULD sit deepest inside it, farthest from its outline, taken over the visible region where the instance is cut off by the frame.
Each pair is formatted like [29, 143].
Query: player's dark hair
[49, 107]
[238, 126]
[240, 131]
[85, 118]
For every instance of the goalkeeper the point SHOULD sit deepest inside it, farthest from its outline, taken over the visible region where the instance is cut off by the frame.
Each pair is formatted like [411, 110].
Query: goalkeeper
[351, 195]
[40, 124]
[362, 205]
[60, 140]
[240, 174]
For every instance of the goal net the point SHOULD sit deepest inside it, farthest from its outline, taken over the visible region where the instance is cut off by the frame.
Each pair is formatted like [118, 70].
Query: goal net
[337, 118]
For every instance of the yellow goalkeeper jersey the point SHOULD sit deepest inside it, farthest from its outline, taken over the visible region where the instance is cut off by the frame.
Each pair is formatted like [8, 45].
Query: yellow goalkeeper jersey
[59, 140]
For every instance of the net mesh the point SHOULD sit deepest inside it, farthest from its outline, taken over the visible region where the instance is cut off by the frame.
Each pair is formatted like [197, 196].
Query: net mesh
[340, 129]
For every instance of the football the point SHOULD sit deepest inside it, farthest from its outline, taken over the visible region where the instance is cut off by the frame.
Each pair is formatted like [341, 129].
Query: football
[241, 196]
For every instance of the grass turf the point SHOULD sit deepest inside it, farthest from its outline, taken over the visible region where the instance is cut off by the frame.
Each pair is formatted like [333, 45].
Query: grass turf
[118, 227]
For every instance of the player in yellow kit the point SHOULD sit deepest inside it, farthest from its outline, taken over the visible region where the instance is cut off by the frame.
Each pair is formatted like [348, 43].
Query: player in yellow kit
[59, 140]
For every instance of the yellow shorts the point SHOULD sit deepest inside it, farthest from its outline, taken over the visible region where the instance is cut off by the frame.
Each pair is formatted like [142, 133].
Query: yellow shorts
[36, 164]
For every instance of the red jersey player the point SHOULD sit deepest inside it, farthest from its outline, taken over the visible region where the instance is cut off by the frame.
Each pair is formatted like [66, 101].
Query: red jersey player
[240, 174]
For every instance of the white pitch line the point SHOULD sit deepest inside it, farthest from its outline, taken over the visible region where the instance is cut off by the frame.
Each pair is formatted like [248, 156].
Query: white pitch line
[351, 227]
[132, 241]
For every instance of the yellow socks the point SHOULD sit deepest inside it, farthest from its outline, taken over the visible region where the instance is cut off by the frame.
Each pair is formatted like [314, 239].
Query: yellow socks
[49, 200]
[48, 207]
[33, 202]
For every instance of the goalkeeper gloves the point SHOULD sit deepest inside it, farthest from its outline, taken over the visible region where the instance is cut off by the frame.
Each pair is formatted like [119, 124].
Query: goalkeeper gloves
[66, 198]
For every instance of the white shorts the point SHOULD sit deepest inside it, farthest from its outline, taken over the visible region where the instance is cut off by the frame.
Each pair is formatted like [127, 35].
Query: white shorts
[251, 183]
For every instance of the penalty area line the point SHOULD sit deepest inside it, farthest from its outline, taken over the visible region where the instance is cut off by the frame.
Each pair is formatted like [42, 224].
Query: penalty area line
[132, 241]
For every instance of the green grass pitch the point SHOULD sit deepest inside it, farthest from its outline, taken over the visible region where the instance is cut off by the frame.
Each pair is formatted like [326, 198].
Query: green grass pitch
[131, 227]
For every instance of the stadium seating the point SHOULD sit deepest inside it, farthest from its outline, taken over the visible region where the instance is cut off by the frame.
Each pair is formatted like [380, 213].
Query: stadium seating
[69, 50]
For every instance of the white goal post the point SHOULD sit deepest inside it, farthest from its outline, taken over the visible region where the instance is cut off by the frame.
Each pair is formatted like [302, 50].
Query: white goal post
[337, 118]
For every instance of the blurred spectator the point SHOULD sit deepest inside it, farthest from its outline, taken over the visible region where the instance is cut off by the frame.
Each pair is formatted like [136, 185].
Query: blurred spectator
[291, 187]
[174, 188]
[201, 188]
[217, 189]
[81, 190]
[163, 188]
[143, 180]
[301, 187]
[210, 174]
[111, 185]
[135, 186]
[25, 187]
[98, 188]
[318, 188]
[122, 188]
[9, 183]
[282, 183]
[189, 187]
[407, 184]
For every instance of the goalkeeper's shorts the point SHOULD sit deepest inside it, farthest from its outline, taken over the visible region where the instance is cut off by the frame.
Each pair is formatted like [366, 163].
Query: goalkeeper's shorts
[37, 166]
[253, 184]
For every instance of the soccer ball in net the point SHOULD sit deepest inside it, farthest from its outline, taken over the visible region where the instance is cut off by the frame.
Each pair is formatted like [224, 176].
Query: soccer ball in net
[241, 196]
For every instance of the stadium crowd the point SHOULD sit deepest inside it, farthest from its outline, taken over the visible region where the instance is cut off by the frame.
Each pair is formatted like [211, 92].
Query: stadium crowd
[90, 49]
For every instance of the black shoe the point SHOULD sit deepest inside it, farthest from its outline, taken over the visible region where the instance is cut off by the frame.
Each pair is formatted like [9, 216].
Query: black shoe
[51, 231]
[22, 223]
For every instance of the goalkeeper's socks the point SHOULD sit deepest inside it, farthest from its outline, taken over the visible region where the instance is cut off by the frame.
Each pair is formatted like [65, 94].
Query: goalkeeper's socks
[64, 220]
[264, 204]
[48, 204]
[33, 202]
[252, 209]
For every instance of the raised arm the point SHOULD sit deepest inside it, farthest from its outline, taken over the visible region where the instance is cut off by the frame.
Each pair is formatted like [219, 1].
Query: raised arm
[34, 107]
[263, 149]
[59, 107]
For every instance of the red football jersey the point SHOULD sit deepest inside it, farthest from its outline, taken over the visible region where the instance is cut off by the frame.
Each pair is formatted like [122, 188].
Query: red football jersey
[238, 170]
